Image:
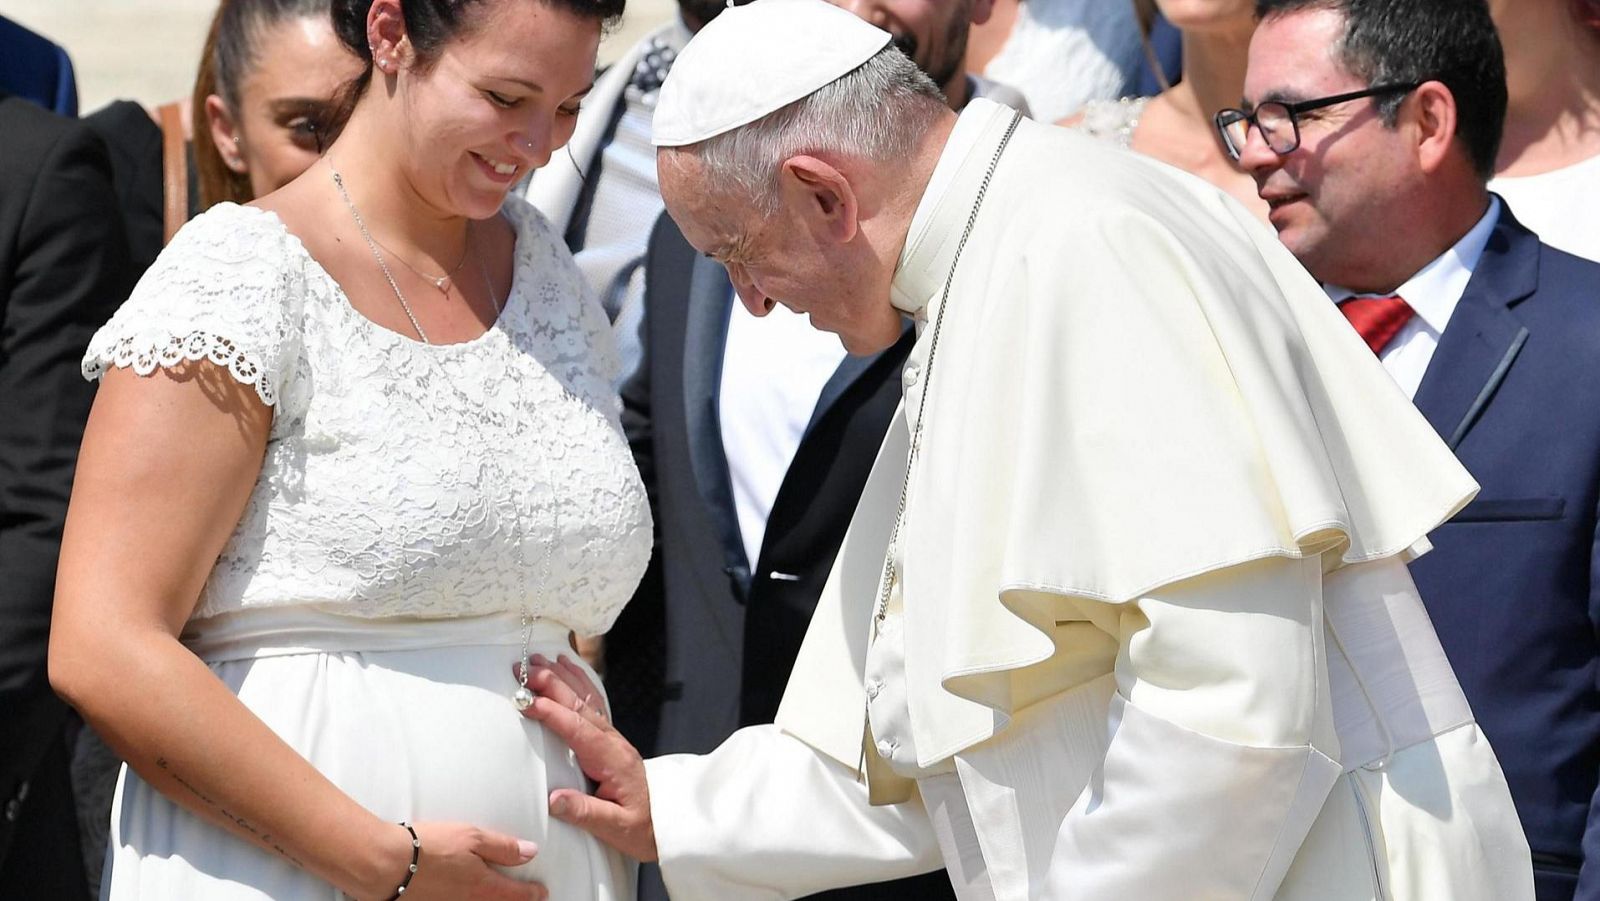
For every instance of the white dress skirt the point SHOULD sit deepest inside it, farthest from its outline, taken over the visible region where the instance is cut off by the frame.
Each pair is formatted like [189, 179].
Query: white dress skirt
[412, 718]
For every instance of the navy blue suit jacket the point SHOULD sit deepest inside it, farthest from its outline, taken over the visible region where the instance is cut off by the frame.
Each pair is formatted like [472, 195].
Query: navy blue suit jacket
[1514, 387]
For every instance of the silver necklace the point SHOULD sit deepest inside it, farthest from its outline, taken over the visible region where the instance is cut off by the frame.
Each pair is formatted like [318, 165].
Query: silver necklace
[891, 566]
[372, 245]
[442, 282]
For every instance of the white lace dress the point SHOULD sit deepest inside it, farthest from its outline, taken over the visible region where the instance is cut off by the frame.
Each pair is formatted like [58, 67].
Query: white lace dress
[414, 503]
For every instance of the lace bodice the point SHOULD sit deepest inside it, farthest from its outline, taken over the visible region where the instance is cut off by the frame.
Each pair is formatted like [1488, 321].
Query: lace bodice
[1113, 120]
[403, 479]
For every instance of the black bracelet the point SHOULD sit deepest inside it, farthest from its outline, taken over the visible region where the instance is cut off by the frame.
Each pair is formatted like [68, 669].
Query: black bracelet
[416, 851]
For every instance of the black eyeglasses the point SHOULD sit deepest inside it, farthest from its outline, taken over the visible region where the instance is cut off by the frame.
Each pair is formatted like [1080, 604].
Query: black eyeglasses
[1279, 122]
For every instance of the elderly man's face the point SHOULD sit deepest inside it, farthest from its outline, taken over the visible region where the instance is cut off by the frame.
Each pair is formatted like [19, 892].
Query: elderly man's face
[1331, 199]
[933, 33]
[783, 258]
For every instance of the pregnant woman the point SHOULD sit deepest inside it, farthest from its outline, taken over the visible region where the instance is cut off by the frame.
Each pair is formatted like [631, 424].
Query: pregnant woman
[354, 453]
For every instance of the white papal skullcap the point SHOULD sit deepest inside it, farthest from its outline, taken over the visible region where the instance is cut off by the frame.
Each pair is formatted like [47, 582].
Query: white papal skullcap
[755, 59]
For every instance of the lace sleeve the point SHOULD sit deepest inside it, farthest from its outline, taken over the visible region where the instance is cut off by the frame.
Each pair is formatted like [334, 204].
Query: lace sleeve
[224, 290]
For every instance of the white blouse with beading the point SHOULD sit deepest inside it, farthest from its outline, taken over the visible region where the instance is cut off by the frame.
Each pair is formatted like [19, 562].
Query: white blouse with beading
[400, 478]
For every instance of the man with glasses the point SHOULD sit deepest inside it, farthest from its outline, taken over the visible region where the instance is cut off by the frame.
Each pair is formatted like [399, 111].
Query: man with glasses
[1371, 128]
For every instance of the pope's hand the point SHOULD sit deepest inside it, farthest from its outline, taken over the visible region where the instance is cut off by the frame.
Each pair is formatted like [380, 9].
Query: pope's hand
[618, 813]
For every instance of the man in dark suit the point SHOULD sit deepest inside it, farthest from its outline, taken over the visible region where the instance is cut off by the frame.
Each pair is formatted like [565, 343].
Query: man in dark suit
[63, 270]
[1495, 335]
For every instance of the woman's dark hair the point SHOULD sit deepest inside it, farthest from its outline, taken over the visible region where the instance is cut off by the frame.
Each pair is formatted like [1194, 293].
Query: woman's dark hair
[1410, 41]
[430, 25]
[233, 47]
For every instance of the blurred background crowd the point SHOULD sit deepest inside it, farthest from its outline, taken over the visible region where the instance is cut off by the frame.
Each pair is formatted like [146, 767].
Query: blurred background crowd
[120, 121]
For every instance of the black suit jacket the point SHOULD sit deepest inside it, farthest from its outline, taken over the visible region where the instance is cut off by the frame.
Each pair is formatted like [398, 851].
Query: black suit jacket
[63, 270]
[1512, 584]
[712, 634]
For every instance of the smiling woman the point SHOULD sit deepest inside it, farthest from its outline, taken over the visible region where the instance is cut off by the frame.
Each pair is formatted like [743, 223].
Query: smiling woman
[372, 412]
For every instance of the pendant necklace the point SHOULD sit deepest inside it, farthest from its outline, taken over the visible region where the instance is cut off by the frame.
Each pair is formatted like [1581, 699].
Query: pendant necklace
[891, 566]
[442, 282]
[522, 698]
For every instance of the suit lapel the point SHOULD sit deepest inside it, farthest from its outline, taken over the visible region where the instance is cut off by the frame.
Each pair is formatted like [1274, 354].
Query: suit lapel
[705, 337]
[1484, 336]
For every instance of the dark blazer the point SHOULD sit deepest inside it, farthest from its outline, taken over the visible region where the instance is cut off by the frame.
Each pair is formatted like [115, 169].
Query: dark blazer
[725, 630]
[63, 271]
[1511, 585]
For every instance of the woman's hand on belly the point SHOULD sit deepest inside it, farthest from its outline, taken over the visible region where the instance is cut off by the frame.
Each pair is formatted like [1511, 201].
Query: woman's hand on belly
[456, 862]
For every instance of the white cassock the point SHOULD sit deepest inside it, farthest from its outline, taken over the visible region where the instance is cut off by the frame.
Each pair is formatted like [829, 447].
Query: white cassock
[1154, 637]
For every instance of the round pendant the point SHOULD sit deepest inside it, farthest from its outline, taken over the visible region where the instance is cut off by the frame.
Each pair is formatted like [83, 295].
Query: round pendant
[523, 698]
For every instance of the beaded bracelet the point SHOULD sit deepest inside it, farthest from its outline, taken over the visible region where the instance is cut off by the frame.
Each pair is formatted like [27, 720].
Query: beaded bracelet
[416, 851]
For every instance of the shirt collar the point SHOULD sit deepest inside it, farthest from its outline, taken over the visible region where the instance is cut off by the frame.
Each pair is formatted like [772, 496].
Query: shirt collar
[931, 240]
[1436, 289]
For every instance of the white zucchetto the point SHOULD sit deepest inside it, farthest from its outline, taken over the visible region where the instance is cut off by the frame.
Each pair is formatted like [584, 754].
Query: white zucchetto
[756, 59]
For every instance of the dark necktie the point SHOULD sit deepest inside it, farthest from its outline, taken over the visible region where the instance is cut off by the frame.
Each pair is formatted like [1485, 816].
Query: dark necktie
[1377, 319]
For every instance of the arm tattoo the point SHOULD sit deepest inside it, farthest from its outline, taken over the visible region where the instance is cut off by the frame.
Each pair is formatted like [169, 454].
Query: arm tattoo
[239, 821]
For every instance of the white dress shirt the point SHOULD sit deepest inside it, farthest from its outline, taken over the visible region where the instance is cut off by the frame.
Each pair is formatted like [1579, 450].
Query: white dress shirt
[773, 370]
[1433, 294]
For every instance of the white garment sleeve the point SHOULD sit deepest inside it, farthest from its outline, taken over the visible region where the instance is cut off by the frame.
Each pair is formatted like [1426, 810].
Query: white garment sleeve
[227, 289]
[1219, 750]
[766, 816]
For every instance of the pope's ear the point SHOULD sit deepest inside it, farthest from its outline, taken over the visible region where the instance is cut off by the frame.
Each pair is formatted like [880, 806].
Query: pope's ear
[823, 197]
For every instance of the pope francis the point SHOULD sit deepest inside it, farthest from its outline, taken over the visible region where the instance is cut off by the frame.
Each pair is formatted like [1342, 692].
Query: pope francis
[1123, 613]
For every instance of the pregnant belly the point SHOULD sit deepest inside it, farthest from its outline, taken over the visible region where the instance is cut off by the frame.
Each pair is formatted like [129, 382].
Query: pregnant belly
[431, 734]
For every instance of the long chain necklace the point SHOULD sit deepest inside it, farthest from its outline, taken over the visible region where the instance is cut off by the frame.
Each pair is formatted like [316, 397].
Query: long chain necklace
[372, 245]
[891, 565]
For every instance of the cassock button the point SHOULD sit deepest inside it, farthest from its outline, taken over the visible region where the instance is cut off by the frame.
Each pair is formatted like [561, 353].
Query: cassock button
[886, 747]
[874, 688]
[910, 374]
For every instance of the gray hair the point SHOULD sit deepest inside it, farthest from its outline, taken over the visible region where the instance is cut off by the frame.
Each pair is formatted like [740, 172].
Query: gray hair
[876, 112]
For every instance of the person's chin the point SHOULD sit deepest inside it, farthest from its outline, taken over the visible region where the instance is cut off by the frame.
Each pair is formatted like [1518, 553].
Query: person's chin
[864, 344]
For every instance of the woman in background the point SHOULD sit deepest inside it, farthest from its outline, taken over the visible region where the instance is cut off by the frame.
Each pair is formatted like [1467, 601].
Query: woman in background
[266, 115]
[1175, 126]
[1549, 165]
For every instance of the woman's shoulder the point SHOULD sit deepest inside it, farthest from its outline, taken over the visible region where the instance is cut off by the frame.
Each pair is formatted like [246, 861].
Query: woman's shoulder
[228, 288]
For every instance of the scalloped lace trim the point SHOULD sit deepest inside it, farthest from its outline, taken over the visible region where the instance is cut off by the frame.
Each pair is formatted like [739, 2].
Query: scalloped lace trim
[143, 355]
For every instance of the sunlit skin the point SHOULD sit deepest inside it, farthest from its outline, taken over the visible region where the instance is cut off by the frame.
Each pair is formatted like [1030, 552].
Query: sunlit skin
[933, 33]
[831, 248]
[419, 155]
[1359, 204]
[1175, 126]
[1553, 79]
[284, 102]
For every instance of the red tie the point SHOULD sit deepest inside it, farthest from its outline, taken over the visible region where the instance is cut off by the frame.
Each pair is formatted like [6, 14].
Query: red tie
[1377, 319]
